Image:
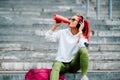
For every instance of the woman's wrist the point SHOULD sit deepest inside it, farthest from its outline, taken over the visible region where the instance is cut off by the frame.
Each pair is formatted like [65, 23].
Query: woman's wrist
[80, 32]
[54, 27]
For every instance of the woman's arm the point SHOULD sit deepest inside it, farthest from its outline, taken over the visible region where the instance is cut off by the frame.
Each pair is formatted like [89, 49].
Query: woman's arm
[55, 26]
[82, 42]
[51, 35]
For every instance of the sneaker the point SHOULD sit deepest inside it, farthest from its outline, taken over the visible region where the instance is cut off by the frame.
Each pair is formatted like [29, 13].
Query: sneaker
[84, 78]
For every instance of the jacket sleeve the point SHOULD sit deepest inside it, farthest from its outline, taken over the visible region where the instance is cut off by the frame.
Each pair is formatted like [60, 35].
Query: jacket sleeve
[52, 36]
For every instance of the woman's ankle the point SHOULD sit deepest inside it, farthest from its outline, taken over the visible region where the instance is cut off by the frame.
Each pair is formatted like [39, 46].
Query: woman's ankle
[84, 75]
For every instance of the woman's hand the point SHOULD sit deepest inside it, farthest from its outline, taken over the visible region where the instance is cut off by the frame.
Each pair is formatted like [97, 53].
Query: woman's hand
[81, 26]
[56, 25]
[80, 31]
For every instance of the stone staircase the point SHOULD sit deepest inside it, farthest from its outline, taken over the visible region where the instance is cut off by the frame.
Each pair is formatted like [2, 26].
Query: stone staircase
[23, 24]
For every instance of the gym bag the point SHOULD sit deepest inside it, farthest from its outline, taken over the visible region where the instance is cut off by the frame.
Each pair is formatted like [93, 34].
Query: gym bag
[40, 74]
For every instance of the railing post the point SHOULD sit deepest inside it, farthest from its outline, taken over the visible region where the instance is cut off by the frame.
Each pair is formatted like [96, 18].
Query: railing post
[87, 7]
[98, 9]
[110, 9]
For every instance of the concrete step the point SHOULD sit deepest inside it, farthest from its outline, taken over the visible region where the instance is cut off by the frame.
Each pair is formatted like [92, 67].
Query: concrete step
[104, 27]
[104, 39]
[104, 22]
[50, 56]
[115, 3]
[105, 33]
[41, 39]
[25, 37]
[24, 6]
[37, 18]
[46, 24]
[37, 2]
[41, 7]
[26, 65]
[93, 75]
[25, 60]
[31, 43]
[38, 12]
[37, 8]
[25, 20]
[41, 31]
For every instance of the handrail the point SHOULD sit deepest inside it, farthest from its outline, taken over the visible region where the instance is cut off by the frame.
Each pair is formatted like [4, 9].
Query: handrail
[98, 8]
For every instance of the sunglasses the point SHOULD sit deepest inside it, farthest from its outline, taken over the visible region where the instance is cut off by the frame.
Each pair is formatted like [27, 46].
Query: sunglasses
[73, 19]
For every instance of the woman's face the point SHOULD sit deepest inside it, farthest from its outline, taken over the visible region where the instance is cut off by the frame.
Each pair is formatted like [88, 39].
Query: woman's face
[73, 22]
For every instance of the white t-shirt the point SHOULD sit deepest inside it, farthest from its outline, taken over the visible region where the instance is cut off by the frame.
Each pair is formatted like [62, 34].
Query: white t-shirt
[68, 45]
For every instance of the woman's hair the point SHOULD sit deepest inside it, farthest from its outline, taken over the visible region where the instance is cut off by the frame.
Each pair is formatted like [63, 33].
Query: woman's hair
[86, 29]
[80, 18]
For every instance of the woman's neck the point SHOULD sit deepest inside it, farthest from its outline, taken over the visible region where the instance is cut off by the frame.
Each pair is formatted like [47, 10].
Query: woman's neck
[74, 31]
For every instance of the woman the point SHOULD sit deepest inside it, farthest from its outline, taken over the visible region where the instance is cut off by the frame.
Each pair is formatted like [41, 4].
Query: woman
[72, 53]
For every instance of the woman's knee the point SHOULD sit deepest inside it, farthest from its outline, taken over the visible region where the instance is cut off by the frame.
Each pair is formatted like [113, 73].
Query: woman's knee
[83, 51]
[57, 65]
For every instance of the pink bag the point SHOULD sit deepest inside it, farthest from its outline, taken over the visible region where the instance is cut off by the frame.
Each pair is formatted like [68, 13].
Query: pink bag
[40, 74]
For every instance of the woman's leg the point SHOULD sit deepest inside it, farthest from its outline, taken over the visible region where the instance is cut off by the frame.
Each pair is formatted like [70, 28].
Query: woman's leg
[80, 61]
[56, 69]
[84, 60]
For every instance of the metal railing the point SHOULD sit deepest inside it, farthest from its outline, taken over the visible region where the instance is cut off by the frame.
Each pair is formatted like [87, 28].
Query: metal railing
[98, 8]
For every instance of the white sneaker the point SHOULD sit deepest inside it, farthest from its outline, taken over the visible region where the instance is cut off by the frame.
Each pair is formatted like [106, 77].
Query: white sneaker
[84, 78]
